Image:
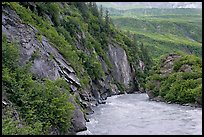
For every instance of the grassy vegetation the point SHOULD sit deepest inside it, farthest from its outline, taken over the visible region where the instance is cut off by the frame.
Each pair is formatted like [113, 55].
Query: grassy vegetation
[184, 28]
[162, 44]
[163, 30]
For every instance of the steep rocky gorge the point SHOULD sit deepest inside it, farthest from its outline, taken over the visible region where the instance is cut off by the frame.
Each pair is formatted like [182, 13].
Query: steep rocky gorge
[48, 62]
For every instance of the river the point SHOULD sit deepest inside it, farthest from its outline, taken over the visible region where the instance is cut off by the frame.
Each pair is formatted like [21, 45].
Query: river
[134, 114]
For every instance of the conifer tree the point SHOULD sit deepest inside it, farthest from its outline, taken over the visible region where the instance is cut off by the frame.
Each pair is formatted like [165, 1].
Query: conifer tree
[107, 20]
[95, 9]
[101, 11]
[90, 4]
[82, 8]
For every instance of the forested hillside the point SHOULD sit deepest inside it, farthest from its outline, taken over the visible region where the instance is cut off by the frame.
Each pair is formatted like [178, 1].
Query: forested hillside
[59, 60]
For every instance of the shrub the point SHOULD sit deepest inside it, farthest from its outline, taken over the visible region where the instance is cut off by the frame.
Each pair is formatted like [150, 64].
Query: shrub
[39, 103]
[10, 54]
[179, 87]
[93, 67]
[11, 127]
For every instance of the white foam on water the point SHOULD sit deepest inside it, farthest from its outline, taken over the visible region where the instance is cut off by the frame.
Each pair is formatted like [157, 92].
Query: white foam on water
[134, 114]
[86, 132]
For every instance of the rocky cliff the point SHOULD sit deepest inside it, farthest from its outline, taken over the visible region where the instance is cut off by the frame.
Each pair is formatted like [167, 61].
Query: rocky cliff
[49, 61]
[121, 66]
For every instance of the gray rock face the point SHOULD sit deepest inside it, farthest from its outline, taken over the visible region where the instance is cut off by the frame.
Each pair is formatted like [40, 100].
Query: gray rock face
[167, 66]
[48, 63]
[78, 121]
[185, 68]
[114, 89]
[104, 66]
[158, 99]
[142, 65]
[121, 68]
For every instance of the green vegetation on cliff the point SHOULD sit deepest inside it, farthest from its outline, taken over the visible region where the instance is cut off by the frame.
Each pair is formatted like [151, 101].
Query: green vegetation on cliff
[41, 105]
[82, 24]
[81, 34]
[182, 85]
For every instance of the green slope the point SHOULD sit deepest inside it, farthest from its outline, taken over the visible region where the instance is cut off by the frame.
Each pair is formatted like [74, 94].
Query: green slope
[163, 30]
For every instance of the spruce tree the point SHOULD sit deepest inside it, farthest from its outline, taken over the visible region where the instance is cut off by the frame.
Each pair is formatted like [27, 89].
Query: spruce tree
[107, 20]
[95, 10]
[101, 11]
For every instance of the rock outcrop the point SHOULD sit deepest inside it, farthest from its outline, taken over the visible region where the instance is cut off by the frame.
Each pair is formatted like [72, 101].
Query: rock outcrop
[167, 64]
[48, 63]
[121, 67]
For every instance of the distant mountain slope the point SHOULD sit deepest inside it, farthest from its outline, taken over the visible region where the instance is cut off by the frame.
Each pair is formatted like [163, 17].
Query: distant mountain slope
[131, 5]
[163, 30]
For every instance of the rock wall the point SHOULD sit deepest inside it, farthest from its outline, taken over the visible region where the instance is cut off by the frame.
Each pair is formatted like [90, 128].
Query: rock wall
[121, 68]
[47, 62]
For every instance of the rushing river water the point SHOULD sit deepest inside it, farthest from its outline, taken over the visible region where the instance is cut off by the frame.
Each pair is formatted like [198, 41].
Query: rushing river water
[134, 114]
